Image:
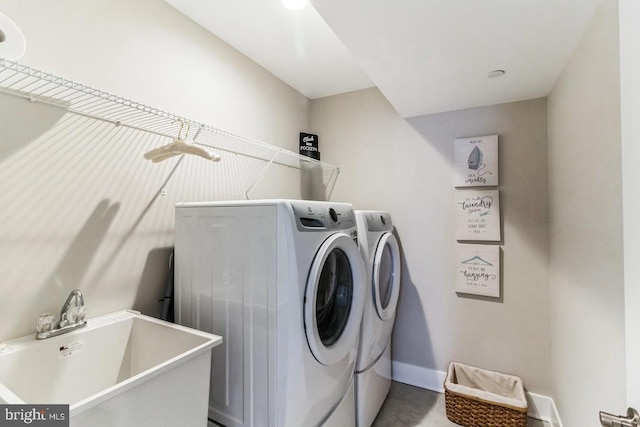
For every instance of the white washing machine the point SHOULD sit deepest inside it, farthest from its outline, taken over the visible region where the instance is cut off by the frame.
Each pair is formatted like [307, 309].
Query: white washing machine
[283, 283]
[381, 255]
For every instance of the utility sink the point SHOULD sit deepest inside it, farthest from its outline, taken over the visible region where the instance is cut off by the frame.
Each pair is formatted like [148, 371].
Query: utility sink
[122, 369]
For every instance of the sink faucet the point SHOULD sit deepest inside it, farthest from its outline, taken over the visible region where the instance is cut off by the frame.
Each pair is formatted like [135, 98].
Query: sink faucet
[66, 309]
[72, 317]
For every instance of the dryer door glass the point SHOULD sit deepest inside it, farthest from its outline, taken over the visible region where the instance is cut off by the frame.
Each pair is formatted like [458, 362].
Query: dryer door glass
[333, 298]
[386, 276]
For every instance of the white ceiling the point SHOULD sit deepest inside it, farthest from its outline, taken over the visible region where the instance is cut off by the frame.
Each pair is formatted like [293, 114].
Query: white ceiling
[426, 56]
[296, 46]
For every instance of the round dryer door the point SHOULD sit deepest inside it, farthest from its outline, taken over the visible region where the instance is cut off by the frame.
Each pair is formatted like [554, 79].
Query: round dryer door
[386, 276]
[334, 299]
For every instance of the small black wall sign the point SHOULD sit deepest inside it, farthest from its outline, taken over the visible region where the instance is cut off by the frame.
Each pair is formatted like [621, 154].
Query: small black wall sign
[309, 145]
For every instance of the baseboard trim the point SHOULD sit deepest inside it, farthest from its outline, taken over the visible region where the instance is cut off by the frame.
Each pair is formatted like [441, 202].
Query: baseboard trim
[418, 376]
[543, 408]
[540, 407]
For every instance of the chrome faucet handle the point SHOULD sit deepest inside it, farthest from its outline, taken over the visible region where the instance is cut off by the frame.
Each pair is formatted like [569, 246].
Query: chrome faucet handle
[45, 322]
[81, 313]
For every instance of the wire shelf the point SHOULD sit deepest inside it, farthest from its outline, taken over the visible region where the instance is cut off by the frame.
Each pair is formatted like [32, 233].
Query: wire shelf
[39, 86]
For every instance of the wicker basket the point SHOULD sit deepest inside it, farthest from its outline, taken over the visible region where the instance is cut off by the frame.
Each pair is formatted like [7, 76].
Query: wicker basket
[476, 397]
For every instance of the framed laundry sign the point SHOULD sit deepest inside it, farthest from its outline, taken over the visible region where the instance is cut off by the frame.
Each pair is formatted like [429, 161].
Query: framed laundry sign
[478, 215]
[476, 161]
[478, 270]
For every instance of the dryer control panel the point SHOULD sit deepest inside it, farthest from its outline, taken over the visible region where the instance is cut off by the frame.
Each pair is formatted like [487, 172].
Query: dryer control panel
[312, 216]
[378, 221]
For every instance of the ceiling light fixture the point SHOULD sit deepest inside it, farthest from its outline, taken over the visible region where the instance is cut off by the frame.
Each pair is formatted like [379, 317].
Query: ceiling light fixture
[496, 73]
[12, 42]
[294, 4]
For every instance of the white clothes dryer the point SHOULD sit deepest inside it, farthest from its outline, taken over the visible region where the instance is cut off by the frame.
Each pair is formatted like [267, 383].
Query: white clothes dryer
[381, 255]
[282, 282]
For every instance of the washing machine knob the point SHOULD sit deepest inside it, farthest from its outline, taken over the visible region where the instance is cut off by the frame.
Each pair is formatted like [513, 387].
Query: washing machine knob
[383, 220]
[333, 215]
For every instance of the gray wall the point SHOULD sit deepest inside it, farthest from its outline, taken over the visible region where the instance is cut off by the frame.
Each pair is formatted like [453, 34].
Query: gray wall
[81, 207]
[585, 193]
[405, 167]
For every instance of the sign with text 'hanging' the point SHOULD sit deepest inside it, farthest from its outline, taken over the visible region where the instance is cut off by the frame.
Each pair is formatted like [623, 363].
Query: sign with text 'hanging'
[478, 270]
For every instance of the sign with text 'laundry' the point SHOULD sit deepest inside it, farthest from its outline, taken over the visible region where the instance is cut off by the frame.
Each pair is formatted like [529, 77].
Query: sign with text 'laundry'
[478, 215]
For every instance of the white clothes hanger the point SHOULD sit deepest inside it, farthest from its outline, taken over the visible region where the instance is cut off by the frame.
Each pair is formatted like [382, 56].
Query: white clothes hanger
[177, 147]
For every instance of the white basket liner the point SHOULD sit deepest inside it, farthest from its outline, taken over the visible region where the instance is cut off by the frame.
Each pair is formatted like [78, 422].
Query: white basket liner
[486, 385]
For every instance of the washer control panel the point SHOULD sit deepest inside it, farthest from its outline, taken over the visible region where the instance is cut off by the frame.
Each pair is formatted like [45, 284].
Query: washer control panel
[312, 216]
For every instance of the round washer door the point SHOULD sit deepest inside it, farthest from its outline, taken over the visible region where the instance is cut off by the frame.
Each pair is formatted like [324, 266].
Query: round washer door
[334, 299]
[386, 276]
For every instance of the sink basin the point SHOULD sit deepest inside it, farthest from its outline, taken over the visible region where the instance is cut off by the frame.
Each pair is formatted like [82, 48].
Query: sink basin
[122, 369]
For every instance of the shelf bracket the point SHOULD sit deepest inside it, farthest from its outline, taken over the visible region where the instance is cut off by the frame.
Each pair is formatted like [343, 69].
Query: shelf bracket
[261, 174]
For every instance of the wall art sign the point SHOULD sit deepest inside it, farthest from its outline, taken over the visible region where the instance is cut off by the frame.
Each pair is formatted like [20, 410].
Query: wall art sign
[476, 161]
[478, 270]
[309, 145]
[478, 215]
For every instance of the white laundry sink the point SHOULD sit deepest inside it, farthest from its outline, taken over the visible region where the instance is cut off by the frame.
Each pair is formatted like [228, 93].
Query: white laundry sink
[122, 369]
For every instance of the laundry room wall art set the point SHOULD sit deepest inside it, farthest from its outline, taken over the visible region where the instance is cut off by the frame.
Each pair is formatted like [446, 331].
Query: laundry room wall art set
[477, 206]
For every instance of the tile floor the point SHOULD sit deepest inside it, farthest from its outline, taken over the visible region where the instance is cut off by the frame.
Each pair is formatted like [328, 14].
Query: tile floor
[408, 406]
